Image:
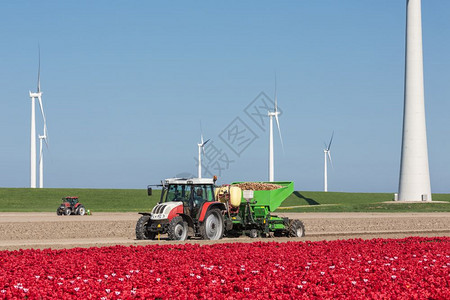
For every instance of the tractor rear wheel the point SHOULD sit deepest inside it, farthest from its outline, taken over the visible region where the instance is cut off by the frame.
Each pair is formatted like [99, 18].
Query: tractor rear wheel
[67, 211]
[81, 210]
[142, 232]
[212, 226]
[296, 228]
[178, 229]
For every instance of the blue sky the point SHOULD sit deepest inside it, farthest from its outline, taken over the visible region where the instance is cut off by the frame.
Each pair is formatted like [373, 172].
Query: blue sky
[127, 83]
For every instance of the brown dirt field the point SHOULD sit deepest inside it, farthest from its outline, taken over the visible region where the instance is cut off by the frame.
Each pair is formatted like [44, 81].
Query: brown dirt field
[47, 230]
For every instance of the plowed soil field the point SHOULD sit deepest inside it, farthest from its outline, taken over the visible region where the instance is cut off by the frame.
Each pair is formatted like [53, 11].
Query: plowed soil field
[47, 230]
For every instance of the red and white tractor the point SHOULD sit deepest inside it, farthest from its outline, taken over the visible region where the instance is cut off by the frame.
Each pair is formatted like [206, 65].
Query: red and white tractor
[70, 206]
[187, 208]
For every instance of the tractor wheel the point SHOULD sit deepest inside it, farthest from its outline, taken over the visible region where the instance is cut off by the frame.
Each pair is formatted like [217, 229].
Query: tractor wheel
[296, 228]
[178, 229]
[67, 211]
[81, 210]
[141, 229]
[212, 226]
[58, 212]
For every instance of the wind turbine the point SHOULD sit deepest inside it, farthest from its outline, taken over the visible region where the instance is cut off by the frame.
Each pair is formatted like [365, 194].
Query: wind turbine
[275, 114]
[38, 96]
[327, 155]
[33, 97]
[201, 148]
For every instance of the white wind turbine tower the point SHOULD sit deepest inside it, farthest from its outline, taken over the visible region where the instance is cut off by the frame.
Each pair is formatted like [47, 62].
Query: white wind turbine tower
[201, 149]
[327, 156]
[275, 114]
[33, 97]
[414, 180]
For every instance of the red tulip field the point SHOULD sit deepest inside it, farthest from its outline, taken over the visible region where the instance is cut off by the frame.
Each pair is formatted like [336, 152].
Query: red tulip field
[411, 268]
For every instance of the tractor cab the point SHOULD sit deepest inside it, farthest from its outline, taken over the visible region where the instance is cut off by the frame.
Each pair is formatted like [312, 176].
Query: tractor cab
[71, 200]
[193, 193]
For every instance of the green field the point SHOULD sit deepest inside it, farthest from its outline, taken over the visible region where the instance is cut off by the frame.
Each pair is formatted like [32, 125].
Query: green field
[121, 200]
[48, 200]
[359, 202]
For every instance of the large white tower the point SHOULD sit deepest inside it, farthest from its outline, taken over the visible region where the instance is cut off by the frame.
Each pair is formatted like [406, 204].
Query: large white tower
[414, 171]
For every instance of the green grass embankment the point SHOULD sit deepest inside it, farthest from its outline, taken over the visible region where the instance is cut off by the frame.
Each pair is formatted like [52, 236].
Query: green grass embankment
[126, 200]
[47, 200]
[359, 202]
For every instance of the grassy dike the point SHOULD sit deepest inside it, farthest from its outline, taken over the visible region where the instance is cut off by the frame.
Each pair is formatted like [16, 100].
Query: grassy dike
[359, 202]
[127, 200]
[48, 200]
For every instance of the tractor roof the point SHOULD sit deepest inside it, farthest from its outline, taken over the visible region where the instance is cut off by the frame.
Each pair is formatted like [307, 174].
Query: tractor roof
[189, 181]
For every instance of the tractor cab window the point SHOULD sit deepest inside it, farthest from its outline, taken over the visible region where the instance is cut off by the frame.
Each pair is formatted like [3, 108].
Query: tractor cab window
[202, 193]
[178, 192]
[72, 201]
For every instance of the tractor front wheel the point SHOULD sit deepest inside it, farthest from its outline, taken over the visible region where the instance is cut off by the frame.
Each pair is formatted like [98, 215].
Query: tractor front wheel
[212, 226]
[142, 232]
[296, 228]
[178, 229]
[58, 212]
[81, 210]
[67, 211]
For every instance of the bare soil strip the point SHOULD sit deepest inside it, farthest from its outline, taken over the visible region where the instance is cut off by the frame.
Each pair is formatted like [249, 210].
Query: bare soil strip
[46, 230]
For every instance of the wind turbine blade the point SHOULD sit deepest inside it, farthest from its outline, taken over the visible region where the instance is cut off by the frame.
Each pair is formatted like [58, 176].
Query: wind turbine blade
[331, 140]
[44, 119]
[275, 97]
[203, 144]
[276, 113]
[45, 135]
[329, 157]
[43, 115]
[279, 131]
[42, 110]
[39, 70]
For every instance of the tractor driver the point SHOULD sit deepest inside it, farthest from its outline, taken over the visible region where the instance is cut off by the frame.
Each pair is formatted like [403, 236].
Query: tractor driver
[198, 197]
